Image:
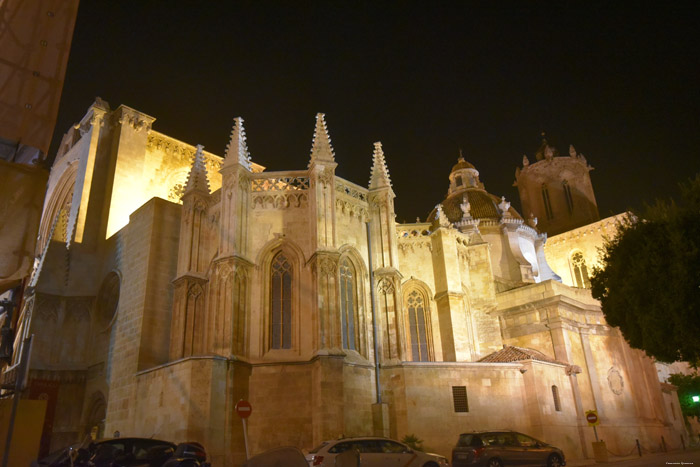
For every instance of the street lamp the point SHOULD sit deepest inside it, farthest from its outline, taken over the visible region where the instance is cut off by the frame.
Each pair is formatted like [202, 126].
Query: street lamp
[696, 398]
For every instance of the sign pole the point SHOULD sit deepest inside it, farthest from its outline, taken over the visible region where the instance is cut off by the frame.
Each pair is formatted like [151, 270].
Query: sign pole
[245, 438]
[593, 420]
[244, 409]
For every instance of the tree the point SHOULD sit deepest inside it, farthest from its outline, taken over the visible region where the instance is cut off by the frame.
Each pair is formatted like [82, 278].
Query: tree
[649, 284]
[413, 442]
[688, 386]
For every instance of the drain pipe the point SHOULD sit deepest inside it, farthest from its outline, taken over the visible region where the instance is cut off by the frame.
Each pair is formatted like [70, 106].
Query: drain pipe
[374, 315]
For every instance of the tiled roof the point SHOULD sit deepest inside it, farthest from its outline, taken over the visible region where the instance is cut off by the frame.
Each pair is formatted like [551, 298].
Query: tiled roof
[511, 353]
[483, 205]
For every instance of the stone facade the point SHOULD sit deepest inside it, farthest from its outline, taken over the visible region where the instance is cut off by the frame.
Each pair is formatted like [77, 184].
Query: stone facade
[195, 281]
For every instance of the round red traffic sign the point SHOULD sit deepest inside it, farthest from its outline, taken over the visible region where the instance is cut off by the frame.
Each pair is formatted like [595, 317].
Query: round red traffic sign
[592, 418]
[244, 409]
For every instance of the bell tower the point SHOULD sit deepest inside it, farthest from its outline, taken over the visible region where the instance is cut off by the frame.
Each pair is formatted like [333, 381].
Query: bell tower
[557, 190]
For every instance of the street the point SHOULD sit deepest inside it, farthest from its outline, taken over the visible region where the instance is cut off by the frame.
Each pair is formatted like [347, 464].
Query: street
[689, 457]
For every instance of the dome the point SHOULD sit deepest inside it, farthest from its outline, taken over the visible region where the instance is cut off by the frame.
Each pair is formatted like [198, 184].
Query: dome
[462, 164]
[482, 205]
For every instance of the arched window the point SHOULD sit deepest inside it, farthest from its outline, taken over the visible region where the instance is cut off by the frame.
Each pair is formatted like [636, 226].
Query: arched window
[281, 302]
[108, 298]
[555, 397]
[417, 323]
[580, 271]
[567, 195]
[547, 202]
[458, 181]
[348, 305]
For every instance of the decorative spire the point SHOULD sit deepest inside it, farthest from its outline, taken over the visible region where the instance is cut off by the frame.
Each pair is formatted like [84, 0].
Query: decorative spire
[443, 221]
[572, 151]
[237, 149]
[504, 205]
[532, 221]
[321, 148]
[380, 174]
[197, 179]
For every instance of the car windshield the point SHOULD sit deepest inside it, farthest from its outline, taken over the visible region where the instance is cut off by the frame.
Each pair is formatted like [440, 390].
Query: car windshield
[469, 440]
[318, 448]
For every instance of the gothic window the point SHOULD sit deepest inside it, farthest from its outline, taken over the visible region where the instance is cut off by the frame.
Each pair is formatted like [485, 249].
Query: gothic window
[567, 195]
[417, 323]
[348, 305]
[281, 303]
[580, 271]
[547, 202]
[108, 298]
[555, 397]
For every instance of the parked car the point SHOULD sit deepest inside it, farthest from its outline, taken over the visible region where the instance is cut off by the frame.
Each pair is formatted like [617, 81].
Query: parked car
[504, 448]
[127, 452]
[373, 452]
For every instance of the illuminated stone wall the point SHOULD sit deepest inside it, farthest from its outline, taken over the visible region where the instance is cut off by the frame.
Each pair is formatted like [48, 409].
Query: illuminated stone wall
[187, 240]
[586, 240]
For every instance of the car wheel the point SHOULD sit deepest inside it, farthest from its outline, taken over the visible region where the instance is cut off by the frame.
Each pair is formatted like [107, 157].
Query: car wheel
[554, 461]
[494, 463]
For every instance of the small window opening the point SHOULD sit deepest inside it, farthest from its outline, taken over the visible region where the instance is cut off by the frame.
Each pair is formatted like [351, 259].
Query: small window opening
[555, 397]
[459, 397]
[458, 180]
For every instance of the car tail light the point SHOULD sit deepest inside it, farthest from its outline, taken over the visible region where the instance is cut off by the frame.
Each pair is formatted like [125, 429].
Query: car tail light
[318, 460]
[478, 452]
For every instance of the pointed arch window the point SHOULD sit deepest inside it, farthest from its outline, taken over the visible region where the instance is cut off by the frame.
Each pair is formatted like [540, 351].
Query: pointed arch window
[281, 302]
[547, 202]
[567, 196]
[348, 305]
[580, 271]
[417, 323]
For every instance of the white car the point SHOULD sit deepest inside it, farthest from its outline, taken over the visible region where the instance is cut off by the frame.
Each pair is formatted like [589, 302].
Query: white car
[373, 452]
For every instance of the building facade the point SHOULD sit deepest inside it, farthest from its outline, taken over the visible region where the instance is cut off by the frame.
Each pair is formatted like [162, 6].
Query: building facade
[173, 283]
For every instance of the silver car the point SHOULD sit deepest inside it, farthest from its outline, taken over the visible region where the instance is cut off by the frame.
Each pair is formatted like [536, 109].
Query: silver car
[373, 452]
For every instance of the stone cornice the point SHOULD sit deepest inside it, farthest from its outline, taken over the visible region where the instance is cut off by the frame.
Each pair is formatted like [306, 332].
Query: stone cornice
[136, 120]
[603, 226]
[196, 277]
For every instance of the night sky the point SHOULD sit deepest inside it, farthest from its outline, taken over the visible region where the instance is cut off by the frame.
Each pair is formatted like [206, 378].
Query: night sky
[618, 80]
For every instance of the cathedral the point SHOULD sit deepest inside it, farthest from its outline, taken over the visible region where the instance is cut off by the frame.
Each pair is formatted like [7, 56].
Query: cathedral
[172, 282]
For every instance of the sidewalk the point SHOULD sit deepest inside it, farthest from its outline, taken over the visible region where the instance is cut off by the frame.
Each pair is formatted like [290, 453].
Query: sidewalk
[658, 458]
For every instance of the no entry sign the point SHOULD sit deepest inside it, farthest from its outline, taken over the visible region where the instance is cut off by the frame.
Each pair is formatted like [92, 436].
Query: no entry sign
[592, 418]
[244, 409]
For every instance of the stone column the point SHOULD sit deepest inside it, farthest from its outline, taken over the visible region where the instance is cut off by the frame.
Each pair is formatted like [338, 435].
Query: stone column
[450, 300]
